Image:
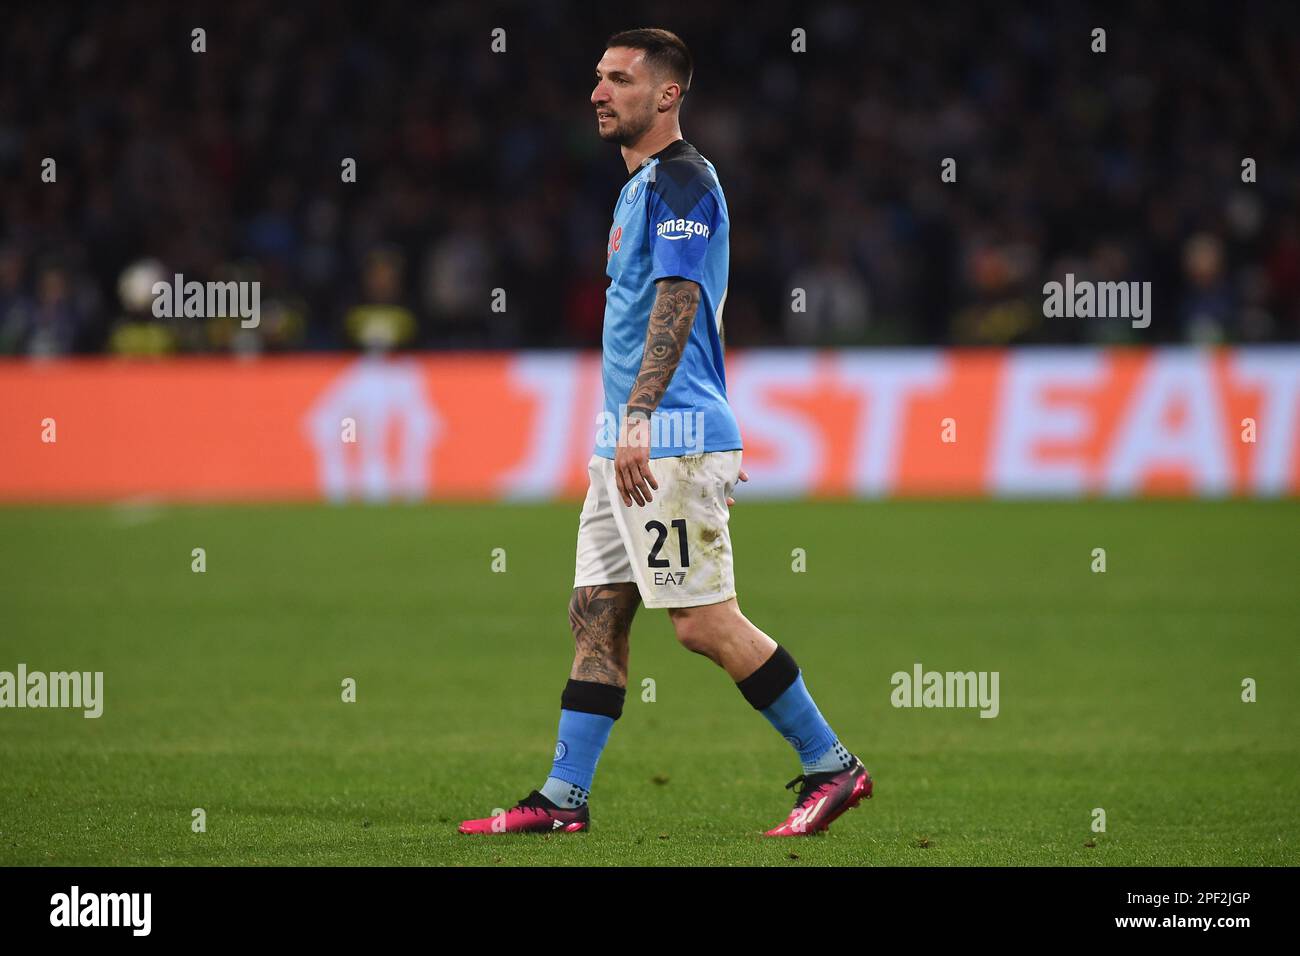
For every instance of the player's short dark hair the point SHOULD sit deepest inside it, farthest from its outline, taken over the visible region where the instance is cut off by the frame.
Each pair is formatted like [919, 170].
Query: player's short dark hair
[664, 51]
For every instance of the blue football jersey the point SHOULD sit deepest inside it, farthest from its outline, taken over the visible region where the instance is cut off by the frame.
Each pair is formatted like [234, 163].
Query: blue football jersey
[670, 220]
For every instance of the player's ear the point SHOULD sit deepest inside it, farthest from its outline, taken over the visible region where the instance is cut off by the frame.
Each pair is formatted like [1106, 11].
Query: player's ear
[672, 94]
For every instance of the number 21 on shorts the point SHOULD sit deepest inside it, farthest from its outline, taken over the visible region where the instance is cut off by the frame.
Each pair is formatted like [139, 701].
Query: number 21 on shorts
[653, 559]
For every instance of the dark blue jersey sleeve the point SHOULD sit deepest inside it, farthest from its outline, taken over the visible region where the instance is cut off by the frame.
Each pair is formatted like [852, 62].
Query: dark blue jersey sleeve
[683, 214]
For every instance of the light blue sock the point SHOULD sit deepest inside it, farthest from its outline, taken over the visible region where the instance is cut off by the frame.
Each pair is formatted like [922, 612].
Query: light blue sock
[832, 761]
[798, 720]
[564, 794]
[581, 739]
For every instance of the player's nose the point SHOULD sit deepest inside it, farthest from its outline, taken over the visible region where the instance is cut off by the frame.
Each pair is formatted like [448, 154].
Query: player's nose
[599, 95]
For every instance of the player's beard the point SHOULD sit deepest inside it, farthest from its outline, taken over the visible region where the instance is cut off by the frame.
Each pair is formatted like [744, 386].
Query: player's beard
[623, 131]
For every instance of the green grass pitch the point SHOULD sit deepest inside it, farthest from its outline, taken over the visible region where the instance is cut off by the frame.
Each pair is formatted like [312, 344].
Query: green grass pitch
[222, 689]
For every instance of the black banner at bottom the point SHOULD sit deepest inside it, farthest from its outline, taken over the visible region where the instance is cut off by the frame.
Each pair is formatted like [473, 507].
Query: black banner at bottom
[333, 905]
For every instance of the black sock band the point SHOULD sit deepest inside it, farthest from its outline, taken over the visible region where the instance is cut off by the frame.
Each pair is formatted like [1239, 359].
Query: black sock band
[771, 680]
[590, 697]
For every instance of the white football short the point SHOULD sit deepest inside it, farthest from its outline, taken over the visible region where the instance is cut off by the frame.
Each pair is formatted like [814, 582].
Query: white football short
[677, 548]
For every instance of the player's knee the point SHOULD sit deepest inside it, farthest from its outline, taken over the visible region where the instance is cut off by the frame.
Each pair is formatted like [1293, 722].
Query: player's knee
[695, 632]
[605, 611]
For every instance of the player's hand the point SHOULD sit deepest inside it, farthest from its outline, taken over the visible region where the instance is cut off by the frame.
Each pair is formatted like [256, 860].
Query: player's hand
[742, 477]
[632, 463]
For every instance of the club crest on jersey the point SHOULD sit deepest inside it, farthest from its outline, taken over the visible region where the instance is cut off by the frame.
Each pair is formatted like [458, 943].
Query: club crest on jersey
[631, 192]
[681, 229]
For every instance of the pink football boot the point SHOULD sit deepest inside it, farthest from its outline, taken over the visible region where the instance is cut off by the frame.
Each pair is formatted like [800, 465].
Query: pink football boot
[533, 814]
[822, 798]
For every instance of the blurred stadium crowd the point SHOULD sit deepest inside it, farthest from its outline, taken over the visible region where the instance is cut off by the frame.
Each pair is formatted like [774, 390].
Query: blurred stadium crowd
[479, 170]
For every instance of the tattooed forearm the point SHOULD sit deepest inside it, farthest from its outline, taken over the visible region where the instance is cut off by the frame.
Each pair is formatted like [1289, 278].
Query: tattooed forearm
[670, 325]
[601, 618]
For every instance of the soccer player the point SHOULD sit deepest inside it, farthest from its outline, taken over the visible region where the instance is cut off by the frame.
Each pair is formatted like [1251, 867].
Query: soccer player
[653, 528]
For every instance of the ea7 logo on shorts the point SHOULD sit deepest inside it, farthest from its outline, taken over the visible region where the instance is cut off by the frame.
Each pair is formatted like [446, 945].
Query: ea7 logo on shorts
[670, 577]
[681, 229]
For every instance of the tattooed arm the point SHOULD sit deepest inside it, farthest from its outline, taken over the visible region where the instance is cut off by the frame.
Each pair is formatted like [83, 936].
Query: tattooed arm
[671, 317]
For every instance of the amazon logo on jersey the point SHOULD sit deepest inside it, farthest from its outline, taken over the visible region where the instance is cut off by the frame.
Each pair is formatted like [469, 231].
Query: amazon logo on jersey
[681, 229]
